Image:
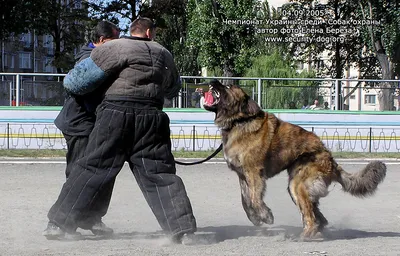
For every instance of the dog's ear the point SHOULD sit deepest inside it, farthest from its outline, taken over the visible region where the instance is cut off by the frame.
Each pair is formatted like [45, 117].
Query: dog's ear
[250, 107]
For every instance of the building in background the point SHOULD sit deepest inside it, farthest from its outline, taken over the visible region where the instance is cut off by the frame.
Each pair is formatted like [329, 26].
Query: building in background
[29, 53]
[365, 97]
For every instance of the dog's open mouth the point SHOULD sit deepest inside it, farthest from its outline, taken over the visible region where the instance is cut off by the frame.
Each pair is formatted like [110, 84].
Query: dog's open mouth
[212, 97]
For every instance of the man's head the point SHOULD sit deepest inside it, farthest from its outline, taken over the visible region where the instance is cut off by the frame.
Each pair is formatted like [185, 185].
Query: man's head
[103, 32]
[143, 27]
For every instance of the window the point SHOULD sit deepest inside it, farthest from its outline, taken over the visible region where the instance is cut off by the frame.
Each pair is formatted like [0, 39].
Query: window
[25, 39]
[12, 61]
[319, 64]
[35, 41]
[47, 65]
[37, 63]
[48, 44]
[25, 60]
[5, 60]
[300, 65]
[370, 99]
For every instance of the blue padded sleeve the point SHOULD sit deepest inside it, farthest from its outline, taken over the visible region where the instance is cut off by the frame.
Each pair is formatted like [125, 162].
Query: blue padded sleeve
[84, 78]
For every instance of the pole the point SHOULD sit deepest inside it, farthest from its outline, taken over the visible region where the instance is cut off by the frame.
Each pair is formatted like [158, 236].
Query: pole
[370, 139]
[17, 88]
[8, 135]
[259, 92]
[337, 95]
[194, 138]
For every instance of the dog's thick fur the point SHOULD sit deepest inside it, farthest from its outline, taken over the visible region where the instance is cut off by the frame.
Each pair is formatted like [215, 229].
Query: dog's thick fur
[257, 145]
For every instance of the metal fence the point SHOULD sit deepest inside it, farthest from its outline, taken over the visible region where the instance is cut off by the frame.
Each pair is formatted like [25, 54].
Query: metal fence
[208, 137]
[44, 89]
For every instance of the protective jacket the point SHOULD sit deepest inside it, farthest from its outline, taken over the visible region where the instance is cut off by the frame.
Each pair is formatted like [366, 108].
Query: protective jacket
[77, 116]
[141, 65]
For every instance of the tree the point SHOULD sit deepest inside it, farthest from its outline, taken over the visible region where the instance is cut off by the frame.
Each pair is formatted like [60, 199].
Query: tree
[117, 11]
[360, 41]
[383, 39]
[278, 93]
[16, 17]
[170, 17]
[217, 30]
[325, 34]
[13, 17]
[66, 22]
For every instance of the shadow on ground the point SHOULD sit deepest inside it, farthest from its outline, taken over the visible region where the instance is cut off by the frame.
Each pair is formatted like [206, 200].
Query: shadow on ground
[220, 234]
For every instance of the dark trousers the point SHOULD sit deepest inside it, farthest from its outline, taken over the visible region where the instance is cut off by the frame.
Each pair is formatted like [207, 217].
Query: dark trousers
[76, 146]
[127, 131]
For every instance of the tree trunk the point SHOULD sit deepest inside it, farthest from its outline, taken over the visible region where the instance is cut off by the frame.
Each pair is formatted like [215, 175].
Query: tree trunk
[228, 72]
[385, 96]
[337, 59]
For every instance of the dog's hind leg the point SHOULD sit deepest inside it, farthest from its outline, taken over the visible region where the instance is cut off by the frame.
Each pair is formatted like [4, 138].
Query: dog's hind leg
[252, 189]
[300, 195]
[320, 218]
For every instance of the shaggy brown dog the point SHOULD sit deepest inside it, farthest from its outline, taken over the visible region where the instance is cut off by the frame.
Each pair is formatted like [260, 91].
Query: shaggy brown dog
[258, 145]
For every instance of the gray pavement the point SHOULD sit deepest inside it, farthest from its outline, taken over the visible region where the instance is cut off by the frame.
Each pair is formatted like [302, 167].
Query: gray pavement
[357, 226]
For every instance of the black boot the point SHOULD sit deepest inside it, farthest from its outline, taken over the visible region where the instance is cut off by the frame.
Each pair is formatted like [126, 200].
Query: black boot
[54, 232]
[193, 239]
[101, 229]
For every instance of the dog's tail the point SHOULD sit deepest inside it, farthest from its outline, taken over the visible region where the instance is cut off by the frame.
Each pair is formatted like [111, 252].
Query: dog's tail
[365, 182]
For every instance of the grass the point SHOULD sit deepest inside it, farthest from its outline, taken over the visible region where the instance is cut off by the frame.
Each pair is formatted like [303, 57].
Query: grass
[36, 153]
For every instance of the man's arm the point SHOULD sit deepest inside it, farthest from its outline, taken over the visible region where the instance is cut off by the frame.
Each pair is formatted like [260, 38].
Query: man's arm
[172, 80]
[90, 73]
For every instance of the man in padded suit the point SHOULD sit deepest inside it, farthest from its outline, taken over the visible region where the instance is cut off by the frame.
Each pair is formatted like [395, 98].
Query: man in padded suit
[76, 120]
[130, 126]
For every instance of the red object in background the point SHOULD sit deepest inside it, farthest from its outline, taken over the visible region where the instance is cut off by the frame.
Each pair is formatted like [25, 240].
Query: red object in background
[14, 103]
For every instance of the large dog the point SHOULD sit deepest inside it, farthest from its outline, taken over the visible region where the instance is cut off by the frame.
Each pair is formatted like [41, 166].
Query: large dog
[257, 145]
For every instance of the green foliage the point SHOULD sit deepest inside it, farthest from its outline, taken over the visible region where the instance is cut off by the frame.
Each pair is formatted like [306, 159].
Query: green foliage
[115, 11]
[278, 93]
[343, 47]
[171, 20]
[222, 45]
[64, 22]
[173, 35]
[17, 16]
[387, 33]
[67, 25]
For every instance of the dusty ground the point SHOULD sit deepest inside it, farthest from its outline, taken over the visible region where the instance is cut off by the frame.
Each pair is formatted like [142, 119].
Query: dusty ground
[357, 226]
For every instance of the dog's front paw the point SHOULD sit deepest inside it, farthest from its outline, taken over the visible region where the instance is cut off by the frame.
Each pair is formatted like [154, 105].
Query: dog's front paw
[258, 218]
[255, 219]
[267, 216]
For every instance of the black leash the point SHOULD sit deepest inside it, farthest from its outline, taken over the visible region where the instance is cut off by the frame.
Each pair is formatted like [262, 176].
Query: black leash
[204, 160]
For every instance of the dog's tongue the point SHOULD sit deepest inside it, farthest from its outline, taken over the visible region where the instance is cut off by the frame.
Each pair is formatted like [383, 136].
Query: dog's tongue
[208, 98]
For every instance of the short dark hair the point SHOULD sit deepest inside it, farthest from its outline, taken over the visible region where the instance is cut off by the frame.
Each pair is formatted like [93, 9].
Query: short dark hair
[103, 29]
[141, 24]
